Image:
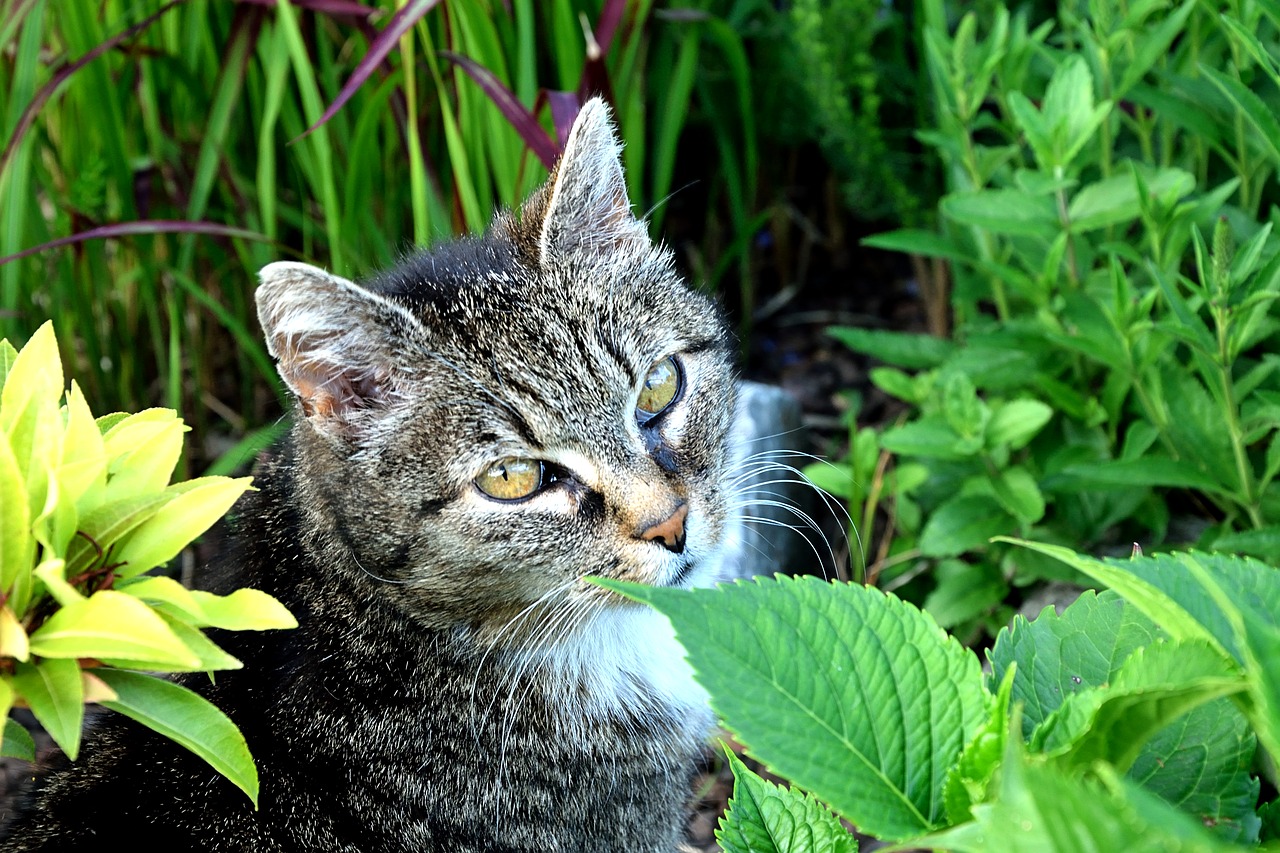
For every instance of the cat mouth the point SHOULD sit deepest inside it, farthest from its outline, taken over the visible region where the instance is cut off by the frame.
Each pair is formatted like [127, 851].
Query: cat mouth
[682, 573]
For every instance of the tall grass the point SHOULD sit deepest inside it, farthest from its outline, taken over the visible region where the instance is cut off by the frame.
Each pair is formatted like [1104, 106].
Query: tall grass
[155, 155]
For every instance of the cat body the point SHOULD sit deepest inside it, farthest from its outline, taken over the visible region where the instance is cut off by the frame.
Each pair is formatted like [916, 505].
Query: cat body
[479, 431]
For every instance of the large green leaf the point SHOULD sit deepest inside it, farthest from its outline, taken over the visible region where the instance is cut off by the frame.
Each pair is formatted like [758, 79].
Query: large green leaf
[1199, 762]
[17, 545]
[1003, 211]
[1039, 809]
[110, 624]
[767, 818]
[1115, 200]
[854, 695]
[35, 375]
[187, 719]
[54, 690]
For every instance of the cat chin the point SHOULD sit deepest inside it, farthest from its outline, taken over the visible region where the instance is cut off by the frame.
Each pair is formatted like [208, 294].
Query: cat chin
[626, 662]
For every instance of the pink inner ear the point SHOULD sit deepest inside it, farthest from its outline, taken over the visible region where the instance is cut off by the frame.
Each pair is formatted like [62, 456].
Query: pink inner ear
[326, 389]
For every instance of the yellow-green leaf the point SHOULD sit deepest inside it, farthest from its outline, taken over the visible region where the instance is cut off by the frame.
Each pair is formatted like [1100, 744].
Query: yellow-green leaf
[13, 637]
[210, 657]
[142, 453]
[52, 573]
[83, 469]
[198, 504]
[35, 374]
[187, 719]
[107, 524]
[54, 691]
[110, 624]
[17, 545]
[242, 610]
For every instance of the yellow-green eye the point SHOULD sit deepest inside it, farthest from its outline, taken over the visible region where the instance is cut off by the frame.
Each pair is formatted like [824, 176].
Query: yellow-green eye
[511, 479]
[660, 388]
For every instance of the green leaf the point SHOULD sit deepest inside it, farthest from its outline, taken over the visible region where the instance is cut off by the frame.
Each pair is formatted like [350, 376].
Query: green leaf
[1038, 809]
[1149, 471]
[963, 523]
[964, 591]
[193, 508]
[106, 525]
[187, 719]
[1016, 422]
[110, 624]
[8, 355]
[1003, 212]
[1156, 685]
[854, 695]
[209, 657]
[18, 742]
[1263, 543]
[834, 478]
[930, 437]
[970, 780]
[1018, 493]
[914, 241]
[17, 545]
[914, 352]
[34, 378]
[242, 610]
[1254, 110]
[767, 818]
[54, 690]
[142, 451]
[1115, 200]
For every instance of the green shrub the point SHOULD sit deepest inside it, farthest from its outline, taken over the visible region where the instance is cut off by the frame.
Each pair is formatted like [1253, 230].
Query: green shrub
[1112, 371]
[1131, 719]
[86, 507]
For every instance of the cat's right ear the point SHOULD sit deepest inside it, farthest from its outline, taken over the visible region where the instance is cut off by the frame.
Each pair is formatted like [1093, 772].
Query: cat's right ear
[334, 342]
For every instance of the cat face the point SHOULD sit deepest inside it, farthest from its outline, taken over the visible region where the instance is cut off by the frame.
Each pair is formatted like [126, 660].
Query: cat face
[490, 423]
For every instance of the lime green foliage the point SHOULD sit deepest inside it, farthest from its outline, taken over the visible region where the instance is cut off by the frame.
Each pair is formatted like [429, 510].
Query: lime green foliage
[1132, 717]
[86, 507]
[1114, 290]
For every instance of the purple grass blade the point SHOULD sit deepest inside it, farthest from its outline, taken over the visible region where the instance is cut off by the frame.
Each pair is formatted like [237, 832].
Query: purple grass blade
[525, 122]
[327, 7]
[48, 90]
[607, 25]
[564, 110]
[401, 22]
[141, 227]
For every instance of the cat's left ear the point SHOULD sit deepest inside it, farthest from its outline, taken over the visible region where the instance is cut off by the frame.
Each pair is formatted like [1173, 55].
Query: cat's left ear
[339, 347]
[587, 205]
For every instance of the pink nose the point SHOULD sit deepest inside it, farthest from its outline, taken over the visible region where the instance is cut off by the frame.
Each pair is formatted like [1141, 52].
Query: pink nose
[669, 533]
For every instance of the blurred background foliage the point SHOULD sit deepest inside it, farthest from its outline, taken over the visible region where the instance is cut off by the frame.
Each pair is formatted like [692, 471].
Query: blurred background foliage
[1078, 194]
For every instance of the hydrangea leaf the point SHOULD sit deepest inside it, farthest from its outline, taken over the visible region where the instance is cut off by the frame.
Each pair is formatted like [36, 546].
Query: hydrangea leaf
[852, 694]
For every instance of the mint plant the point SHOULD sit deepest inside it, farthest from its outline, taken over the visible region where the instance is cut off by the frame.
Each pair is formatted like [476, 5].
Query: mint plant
[1133, 715]
[86, 509]
[1113, 292]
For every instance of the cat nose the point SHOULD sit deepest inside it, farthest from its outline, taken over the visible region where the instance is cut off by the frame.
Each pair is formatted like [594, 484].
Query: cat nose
[669, 533]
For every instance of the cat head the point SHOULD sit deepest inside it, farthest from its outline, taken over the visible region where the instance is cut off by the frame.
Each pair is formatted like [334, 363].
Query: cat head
[489, 423]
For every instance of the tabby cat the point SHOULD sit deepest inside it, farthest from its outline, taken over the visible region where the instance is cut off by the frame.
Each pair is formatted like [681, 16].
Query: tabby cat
[479, 430]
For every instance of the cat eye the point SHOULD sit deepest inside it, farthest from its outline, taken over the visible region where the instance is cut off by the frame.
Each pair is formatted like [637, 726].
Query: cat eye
[660, 389]
[513, 479]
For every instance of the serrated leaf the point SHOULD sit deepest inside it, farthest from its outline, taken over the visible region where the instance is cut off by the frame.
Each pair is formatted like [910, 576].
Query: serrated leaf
[767, 818]
[187, 719]
[1040, 809]
[1156, 685]
[852, 694]
[963, 523]
[110, 624]
[970, 780]
[54, 691]
[194, 506]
